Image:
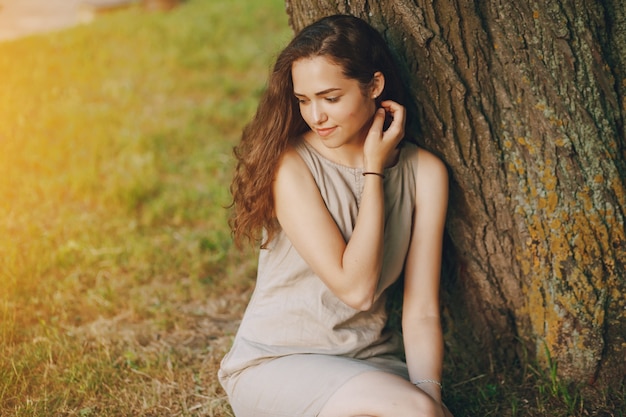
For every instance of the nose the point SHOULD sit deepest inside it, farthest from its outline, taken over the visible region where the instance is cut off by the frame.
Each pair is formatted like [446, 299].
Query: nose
[318, 114]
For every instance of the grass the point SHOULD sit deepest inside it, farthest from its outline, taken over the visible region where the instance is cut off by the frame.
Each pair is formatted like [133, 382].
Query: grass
[119, 286]
[119, 291]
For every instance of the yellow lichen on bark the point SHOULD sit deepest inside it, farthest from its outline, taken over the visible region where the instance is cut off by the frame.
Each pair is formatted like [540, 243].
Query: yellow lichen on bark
[563, 282]
[563, 310]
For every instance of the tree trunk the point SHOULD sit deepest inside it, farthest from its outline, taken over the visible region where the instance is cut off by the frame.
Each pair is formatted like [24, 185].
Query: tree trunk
[526, 105]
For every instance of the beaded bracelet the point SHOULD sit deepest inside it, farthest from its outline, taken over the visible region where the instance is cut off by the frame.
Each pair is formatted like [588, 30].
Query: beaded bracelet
[374, 173]
[426, 381]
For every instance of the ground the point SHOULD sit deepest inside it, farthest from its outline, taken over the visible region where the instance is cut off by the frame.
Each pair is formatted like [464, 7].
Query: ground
[20, 18]
[24, 17]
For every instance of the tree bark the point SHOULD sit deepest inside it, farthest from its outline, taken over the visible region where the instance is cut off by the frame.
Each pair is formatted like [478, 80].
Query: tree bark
[526, 105]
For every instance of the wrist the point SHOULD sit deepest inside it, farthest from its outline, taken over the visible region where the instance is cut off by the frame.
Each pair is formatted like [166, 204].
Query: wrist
[373, 165]
[431, 387]
[377, 174]
[428, 381]
[378, 169]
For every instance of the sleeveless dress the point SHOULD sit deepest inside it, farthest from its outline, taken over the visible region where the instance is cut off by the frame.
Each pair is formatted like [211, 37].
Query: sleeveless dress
[297, 342]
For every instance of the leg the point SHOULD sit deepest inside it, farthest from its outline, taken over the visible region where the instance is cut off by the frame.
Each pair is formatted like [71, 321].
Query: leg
[380, 394]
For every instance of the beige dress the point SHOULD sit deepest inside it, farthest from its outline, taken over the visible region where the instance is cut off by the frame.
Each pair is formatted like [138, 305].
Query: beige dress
[297, 342]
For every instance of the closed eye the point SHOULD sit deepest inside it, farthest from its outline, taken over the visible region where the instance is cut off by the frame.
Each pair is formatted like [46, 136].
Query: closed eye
[302, 99]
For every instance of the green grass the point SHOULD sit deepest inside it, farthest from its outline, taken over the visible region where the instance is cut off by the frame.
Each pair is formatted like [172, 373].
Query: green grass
[119, 291]
[120, 288]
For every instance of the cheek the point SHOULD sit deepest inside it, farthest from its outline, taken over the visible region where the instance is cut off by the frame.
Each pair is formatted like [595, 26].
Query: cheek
[363, 113]
[305, 115]
[354, 112]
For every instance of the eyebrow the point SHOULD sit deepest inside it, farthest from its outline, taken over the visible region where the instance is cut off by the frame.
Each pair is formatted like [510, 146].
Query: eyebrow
[321, 93]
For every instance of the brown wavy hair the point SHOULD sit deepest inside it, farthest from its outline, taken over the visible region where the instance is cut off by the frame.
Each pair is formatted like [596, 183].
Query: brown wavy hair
[347, 41]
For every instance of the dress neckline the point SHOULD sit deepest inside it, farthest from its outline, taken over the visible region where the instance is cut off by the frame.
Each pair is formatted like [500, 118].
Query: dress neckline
[346, 167]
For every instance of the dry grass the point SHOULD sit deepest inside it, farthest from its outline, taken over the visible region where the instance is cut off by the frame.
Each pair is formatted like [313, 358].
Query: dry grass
[120, 289]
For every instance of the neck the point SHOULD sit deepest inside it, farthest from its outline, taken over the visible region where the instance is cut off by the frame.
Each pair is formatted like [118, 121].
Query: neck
[348, 154]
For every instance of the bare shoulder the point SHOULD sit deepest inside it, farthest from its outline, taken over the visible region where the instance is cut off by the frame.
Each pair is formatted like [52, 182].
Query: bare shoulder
[290, 163]
[292, 174]
[431, 179]
[430, 167]
[290, 158]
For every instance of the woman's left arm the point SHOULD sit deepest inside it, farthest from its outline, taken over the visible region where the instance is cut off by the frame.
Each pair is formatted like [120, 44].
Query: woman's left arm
[421, 322]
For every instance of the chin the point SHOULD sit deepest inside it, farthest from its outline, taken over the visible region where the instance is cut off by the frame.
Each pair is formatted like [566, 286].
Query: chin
[332, 143]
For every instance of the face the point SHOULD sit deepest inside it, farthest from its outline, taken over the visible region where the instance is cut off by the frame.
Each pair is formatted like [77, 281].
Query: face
[334, 107]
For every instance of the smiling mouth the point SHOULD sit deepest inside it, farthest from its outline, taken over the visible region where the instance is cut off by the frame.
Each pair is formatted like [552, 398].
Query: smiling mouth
[325, 132]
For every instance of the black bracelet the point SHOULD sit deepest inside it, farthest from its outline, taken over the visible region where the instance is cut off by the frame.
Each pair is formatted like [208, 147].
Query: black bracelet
[374, 173]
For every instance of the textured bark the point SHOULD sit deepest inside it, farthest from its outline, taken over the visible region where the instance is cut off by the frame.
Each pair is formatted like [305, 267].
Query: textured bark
[526, 104]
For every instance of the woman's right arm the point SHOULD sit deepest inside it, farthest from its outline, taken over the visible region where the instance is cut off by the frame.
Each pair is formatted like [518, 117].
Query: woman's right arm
[350, 269]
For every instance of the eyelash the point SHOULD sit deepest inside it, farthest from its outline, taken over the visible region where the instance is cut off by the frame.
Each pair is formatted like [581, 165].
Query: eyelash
[328, 99]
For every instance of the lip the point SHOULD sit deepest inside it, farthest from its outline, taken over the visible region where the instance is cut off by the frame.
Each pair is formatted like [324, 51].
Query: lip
[326, 131]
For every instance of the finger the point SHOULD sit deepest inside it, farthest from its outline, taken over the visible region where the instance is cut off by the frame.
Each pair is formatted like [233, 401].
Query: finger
[378, 122]
[395, 110]
[398, 119]
[396, 127]
[391, 106]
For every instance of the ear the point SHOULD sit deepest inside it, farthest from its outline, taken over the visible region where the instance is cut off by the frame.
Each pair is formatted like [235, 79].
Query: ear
[377, 85]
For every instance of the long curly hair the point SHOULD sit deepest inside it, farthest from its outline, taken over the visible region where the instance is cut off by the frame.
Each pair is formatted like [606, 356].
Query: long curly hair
[348, 42]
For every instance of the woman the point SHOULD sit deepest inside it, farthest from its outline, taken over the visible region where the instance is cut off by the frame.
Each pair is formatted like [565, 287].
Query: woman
[346, 205]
